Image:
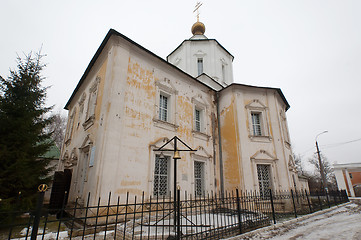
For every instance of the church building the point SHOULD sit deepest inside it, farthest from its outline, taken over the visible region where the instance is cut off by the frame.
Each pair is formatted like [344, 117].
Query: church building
[130, 102]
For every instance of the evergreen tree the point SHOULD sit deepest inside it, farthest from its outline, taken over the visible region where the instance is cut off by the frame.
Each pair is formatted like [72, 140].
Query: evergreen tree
[22, 136]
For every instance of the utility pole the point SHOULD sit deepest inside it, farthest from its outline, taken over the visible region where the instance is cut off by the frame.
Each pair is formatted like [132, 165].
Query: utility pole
[323, 178]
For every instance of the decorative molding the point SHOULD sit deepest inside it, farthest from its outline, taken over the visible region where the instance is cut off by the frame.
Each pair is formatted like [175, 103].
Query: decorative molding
[224, 62]
[263, 155]
[89, 122]
[165, 125]
[94, 87]
[200, 135]
[201, 153]
[87, 142]
[200, 53]
[256, 104]
[166, 85]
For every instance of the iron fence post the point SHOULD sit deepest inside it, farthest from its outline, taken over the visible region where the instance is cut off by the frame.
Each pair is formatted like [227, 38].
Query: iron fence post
[328, 200]
[178, 215]
[273, 207]
[239, 212]
[293, 201]
[39, 205]
[345, 196]
[319, 199]
[308, 201]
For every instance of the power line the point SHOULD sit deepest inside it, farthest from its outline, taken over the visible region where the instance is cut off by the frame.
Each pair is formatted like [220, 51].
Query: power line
[340, 144]
[332, 145]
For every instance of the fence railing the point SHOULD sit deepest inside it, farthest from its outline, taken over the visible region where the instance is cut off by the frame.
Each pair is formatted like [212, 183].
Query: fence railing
[210, 216]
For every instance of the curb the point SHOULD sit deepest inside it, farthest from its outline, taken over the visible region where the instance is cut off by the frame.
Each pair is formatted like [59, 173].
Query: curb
[286, 223]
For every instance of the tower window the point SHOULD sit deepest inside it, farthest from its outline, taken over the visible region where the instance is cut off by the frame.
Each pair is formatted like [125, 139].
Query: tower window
[200, 66]
[223, 73]
[256, 124]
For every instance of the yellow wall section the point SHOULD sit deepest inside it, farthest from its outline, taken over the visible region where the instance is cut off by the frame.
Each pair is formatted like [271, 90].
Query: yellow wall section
[229, 131]
[185, 117]
[142, 96]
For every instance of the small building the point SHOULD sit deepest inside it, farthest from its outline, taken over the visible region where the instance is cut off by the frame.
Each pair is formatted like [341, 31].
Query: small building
[348, 177]
[129, 102]
[53, 155]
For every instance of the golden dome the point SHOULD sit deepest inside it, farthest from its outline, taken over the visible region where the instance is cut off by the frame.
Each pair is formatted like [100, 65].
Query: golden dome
[198, 28]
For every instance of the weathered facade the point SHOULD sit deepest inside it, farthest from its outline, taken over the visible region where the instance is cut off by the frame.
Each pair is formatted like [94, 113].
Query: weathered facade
[129, 102]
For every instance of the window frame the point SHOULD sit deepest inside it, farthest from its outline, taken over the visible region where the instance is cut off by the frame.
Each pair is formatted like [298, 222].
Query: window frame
[92, 104]
[202, 178]
[168, 176]
[70, 127]
[256, 107]
[166, 109]
[257, 127]
[198, 123]
[200, 65]
[166, 89]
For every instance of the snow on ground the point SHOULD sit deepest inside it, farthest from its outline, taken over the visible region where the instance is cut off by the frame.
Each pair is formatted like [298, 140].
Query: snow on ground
[340, 223]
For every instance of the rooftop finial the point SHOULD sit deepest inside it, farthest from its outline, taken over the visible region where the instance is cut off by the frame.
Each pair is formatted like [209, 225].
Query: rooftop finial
[196, 8]
[198, 28]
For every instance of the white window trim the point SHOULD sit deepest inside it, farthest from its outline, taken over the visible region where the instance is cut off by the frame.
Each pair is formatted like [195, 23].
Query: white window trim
[91, 108]
[203, 133]
[201, 155]
[169, 175]
[257, 107]
[70, 127]
[165, 88]
[284, 125]
[263, 157]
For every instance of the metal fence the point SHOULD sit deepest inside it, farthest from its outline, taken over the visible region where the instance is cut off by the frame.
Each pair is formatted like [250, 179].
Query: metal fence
[210, 216]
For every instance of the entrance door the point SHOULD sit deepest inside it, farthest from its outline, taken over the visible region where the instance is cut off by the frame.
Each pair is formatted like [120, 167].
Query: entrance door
[264, 179]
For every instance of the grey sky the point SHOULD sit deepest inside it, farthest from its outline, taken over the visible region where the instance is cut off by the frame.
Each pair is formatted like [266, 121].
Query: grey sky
[311, 49]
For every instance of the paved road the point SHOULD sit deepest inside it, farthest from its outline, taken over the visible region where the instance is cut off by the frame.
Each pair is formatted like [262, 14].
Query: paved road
[339, 223]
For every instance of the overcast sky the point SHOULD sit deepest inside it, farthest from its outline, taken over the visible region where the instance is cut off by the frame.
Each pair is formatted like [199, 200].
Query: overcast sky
[311, 49]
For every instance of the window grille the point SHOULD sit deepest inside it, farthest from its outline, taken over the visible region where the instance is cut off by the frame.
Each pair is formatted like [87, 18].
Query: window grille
[200, 66]
[199, 178]
[264, 179]
[198, 120]
[163, 108]
[256, 124]
[161, 176]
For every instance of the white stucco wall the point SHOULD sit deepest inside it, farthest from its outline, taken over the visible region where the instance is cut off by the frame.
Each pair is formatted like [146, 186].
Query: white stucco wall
[213, 55]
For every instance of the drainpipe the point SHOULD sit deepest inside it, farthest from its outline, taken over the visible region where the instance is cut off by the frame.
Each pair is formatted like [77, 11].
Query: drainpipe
[220, 146]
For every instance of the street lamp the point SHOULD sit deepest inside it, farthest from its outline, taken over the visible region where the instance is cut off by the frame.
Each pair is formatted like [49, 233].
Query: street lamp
[176, 156]
[323, 179]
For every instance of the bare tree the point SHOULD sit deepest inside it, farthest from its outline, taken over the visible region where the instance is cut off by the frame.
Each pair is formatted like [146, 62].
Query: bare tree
[57, 128]
[298, 163]
[327, 169]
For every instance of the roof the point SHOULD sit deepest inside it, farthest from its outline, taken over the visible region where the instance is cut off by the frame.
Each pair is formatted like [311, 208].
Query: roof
[112, 32]
[200, 40]
[279, 91]
[52, 153]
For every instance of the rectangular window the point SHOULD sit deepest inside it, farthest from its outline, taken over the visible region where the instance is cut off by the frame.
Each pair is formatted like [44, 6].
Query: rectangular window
[163, 108]
[197, 119]
[256, 124]
[264, 179]
[161, 180]
[200, 66]
[223, 73]
[199, 178]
